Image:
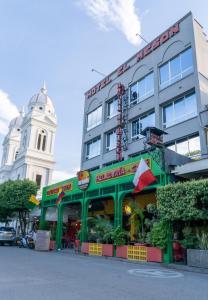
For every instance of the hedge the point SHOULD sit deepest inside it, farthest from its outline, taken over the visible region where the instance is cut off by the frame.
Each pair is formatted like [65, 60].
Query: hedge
[185, 201]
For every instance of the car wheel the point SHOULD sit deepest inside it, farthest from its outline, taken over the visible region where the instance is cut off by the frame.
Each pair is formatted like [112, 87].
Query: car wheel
[2, 244]
[11, 244]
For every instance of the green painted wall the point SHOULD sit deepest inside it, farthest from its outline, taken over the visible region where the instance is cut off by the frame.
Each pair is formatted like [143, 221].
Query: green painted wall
[117, 188]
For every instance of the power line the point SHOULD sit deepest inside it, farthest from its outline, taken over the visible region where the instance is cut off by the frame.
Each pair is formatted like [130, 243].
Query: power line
[94, 70]
[141, 37]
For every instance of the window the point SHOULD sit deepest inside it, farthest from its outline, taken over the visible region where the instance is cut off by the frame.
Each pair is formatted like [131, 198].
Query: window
[94, 118]
[142, 89]
[179, 110]
[112, 108]
[38, 180]
[44, 143]
[41, 143]
[141, 123]
[111, 140]
[93, 148]
[176, 68]
[16, 154]
[190, 146]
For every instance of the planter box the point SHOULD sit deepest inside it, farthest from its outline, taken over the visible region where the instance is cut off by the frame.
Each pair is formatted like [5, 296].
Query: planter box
[121, 251]
[107, 250]
[95, 249]
[52, 245]
[197, 258]
[137, 252]
[85, 248]
[154, 254]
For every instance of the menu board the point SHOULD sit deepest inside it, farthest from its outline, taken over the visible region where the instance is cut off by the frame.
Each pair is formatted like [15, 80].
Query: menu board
[42, 240]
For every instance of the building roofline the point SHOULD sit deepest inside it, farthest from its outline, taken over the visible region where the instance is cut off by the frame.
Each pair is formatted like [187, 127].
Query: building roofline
[134, 55]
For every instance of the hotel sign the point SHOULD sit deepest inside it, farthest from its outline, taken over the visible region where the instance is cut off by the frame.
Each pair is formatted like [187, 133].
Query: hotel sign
[118, 172]
[158, 42]
[139, 56]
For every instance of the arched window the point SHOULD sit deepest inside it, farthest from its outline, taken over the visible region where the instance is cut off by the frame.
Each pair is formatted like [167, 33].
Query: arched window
[44, 143]
[16, 153]
[41, 143]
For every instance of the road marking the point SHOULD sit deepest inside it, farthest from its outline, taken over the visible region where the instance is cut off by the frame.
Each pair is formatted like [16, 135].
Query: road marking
[155, 273]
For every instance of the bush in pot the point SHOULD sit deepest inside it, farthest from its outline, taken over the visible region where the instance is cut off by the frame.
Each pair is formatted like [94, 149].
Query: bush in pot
[119, 238]
[158, 238]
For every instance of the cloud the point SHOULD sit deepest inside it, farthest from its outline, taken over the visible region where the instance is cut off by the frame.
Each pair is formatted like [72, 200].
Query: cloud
[8, 111]
[60, 175]
[119, 14]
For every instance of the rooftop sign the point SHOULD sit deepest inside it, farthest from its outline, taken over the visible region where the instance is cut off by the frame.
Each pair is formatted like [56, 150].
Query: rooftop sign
[158, 42]
[139, 56]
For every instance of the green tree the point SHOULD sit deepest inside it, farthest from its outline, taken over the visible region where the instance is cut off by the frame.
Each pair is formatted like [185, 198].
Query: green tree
[14, 198]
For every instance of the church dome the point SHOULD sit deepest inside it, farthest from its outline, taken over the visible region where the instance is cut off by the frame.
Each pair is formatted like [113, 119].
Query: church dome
[16, 122]
[42, 101]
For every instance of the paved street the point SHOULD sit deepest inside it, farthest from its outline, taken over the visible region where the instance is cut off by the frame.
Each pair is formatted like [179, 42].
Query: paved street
[26, 274]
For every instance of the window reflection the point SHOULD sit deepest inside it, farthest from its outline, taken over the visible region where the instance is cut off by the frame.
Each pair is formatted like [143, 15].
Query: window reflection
[111, 140]
[93, 148]
[180, 110]
[141, 123]
[94, 118]
[112, 108]
[142, 89]
[176, 68]
[190, 146]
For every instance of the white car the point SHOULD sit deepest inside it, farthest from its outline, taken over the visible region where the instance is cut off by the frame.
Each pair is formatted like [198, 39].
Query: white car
[7, 235]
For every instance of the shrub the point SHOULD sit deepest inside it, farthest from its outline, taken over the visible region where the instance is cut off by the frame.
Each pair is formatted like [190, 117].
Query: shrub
[184, 201]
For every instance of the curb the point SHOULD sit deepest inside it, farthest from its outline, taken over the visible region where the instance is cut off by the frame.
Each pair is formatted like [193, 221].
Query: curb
[177, 267]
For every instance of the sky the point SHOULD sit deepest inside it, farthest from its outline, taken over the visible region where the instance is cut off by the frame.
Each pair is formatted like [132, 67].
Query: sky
[61, 41]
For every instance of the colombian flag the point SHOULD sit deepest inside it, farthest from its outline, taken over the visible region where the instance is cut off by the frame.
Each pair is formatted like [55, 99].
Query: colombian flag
[34, 200]
[60, 196]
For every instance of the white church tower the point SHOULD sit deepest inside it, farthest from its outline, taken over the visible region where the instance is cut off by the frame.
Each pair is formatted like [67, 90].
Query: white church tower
[28, 148]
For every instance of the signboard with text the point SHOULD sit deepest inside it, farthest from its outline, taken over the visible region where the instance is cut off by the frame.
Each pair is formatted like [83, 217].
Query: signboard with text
[118, 172]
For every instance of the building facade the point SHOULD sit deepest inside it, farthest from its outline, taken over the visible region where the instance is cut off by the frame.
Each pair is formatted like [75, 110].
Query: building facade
[165, 85]
[28, 148]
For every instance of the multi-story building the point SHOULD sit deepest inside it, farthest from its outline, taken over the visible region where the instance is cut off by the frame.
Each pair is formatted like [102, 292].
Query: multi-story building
[166, 86]
[28, 148]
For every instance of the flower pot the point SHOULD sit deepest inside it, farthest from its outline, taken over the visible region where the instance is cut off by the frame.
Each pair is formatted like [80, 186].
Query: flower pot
[197, 258]
[52, 245]
[121, 251]
[154, 254]
[85, 248]
[107, 250]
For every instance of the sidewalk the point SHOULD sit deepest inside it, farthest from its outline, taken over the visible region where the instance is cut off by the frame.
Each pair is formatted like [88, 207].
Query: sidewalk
[173, 266]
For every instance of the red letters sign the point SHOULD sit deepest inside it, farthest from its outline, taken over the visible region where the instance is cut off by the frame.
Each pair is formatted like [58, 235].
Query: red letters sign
[158, 42]
[56, 190]
[98, 87]
[124, 170]
[139, 56]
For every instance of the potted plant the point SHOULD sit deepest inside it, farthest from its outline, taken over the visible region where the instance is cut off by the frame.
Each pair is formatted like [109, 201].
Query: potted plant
[159, 240]
[98, 227]
[118, 237]
[197, 247]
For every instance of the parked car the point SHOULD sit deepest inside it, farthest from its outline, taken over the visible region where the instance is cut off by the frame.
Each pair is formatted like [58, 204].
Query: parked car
[7, 235]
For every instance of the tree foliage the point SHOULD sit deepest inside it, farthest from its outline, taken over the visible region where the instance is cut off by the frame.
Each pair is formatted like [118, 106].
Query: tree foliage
[14, 196]
[184, 201]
